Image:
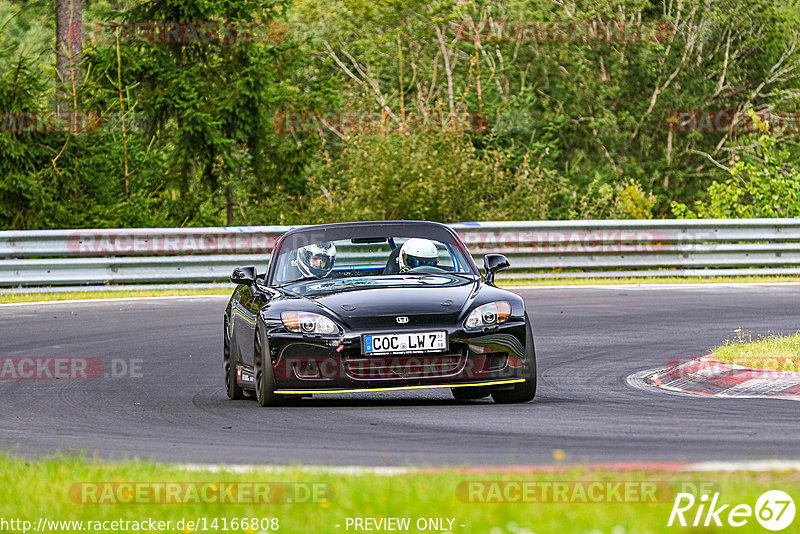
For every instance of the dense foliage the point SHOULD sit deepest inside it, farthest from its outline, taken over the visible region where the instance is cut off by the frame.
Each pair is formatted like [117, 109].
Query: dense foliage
[769, 189]
[351, 109]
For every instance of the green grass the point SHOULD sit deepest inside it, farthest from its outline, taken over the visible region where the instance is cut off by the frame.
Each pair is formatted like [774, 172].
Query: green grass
[13, 298]
[765, 352]
[42, 488]
[648, 280]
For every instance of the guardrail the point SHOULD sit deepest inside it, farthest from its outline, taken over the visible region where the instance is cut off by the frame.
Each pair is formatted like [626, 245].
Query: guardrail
[536, 249]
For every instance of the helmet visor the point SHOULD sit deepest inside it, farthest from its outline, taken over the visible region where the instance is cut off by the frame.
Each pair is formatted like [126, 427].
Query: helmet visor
[415, 261]
[320, 261]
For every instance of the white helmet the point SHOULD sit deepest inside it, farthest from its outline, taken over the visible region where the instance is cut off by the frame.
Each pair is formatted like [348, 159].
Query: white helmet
[317, 259]
[417, 253]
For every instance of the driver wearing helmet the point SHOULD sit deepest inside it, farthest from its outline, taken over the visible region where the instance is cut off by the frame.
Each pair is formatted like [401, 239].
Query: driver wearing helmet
[317, 259]
[417, 252]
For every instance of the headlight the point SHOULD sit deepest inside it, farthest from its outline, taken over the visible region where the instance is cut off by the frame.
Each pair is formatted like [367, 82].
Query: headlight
[308, 323]
[489, 315]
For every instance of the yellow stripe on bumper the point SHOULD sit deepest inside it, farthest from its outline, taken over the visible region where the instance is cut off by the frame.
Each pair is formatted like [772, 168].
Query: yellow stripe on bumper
[397, 388]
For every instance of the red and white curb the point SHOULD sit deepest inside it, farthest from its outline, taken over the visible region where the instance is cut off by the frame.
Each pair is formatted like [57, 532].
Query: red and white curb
[708, 377]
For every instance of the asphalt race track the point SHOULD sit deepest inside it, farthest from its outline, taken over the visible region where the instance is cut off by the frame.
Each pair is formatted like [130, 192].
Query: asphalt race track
[589, 340]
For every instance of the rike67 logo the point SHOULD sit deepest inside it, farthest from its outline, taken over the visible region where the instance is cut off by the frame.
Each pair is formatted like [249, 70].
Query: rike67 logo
[774, 510]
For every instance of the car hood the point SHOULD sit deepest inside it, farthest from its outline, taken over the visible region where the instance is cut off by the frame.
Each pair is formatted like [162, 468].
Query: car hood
[392, 296]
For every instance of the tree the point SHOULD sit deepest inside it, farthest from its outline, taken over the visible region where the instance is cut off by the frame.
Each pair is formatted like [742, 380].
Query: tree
[69, 53]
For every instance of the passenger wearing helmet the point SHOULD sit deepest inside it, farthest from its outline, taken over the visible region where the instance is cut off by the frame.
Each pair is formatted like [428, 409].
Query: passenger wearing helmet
[316, 259]
[417, 253]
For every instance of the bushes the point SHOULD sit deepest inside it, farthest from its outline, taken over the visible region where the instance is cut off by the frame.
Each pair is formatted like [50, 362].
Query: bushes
[767, 186]
[432, 177]
[606, 201]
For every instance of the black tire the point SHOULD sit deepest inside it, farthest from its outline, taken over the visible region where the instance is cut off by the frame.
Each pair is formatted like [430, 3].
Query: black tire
[263, 374]
[524, 391]
[470, 393]
[231, 386]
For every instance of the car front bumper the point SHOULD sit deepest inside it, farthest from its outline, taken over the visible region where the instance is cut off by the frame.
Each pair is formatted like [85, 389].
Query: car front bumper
[305, 365]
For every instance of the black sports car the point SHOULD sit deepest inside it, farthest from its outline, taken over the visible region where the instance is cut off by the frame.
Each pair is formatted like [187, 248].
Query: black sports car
[376, 306]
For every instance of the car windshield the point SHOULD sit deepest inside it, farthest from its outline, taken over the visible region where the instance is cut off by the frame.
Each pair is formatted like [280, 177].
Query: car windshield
[344, 260]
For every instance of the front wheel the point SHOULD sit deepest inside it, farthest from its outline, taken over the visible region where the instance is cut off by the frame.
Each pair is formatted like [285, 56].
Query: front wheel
[264, 376]
[524, 391]
[231, 385]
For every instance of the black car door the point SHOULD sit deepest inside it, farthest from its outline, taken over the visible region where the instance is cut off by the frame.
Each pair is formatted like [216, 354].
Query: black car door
[244, 321]
[256, 299]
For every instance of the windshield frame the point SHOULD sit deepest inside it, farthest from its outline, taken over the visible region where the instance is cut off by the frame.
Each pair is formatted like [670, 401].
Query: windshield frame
[299, 237]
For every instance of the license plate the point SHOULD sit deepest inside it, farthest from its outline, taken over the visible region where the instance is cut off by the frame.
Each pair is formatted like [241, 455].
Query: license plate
[405, 343]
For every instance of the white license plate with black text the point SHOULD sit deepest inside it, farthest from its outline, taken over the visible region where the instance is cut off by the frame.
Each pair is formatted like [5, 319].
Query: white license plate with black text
[405, 343]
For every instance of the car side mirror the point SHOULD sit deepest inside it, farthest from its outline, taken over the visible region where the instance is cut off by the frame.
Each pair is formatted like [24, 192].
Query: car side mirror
[244, 275]
[493, 264]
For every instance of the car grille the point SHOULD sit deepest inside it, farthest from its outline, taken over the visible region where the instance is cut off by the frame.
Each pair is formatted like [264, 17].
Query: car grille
[403, 367]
